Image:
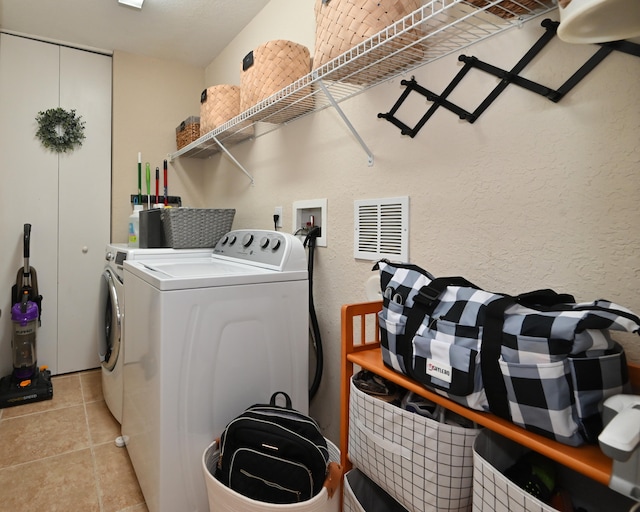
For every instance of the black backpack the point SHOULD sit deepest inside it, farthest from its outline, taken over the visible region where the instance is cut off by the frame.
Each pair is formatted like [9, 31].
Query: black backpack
[273, 454]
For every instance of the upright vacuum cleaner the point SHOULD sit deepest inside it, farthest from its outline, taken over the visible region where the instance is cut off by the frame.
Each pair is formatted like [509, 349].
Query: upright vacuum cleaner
[27, 383]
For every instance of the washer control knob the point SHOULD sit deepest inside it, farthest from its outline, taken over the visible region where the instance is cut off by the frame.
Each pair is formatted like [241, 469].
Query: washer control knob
[232, 239]
[264, 242]
[247, 239]
[108, 256]
[224, 240]
[275, 245]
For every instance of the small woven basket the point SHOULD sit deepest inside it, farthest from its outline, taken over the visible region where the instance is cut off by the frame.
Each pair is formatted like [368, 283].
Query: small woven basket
[188, 131]
[275, 65]
[343, 24]
[188, 228]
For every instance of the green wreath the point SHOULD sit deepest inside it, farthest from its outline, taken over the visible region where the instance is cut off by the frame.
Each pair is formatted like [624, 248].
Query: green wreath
[60, 130]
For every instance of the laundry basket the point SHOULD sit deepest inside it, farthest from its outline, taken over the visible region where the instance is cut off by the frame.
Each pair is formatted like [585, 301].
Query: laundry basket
[494, 492]
[224, 499]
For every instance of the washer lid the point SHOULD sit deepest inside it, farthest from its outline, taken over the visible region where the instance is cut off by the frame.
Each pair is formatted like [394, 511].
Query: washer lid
[205, 273]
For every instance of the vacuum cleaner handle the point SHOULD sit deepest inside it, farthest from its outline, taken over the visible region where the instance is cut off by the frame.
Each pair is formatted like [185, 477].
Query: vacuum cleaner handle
[27, 239]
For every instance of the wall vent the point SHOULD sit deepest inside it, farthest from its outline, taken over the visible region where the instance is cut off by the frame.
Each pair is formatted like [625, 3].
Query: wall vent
[381, 229]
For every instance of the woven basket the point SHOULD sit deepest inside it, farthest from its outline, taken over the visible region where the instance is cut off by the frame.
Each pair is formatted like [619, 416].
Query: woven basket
[343, 24]
[187, 228]
[276, 64]
[507, 9]
[188, 131]
[218, 104]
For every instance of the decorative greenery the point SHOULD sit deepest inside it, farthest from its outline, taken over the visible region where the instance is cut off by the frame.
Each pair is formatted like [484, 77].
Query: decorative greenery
[60, 130]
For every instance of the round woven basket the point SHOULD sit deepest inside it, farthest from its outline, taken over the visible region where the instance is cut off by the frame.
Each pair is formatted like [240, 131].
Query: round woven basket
[343, 24]
[276, 64]
[218, 104]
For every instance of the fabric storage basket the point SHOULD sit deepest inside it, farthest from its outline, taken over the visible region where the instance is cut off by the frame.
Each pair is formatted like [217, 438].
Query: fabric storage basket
[494, 492]
[423, 464]
[343, 24]
[223, 499]
[361, 494]
[267, 70]
[187, 228]
[188, 131]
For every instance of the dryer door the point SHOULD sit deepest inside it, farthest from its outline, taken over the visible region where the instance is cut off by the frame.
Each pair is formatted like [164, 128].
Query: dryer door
[110, 321]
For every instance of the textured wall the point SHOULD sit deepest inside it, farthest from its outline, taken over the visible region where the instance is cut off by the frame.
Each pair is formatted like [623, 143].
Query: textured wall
[151, 97]
[534, 194]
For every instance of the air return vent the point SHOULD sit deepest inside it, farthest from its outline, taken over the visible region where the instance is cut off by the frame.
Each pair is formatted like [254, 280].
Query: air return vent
[381, 229]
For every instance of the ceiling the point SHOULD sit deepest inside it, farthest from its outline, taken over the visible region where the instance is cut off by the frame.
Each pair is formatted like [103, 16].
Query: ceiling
[189, 31]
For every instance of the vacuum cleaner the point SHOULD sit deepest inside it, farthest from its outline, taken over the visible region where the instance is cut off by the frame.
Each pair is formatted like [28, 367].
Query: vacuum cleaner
[27, 383]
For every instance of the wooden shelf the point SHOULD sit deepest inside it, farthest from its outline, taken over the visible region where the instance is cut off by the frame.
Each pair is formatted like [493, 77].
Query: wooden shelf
[588, 460]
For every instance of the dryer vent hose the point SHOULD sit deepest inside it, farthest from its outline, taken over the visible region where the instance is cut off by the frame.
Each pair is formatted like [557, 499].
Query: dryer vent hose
[310, 241]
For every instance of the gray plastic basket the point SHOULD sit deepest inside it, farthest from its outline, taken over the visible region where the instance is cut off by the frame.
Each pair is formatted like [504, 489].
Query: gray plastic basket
[188, 228]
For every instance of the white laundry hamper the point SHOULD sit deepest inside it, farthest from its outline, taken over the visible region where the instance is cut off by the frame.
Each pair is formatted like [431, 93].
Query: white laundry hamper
[224, 499]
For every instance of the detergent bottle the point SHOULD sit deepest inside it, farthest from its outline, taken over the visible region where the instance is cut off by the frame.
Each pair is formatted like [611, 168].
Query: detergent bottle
[134, 226]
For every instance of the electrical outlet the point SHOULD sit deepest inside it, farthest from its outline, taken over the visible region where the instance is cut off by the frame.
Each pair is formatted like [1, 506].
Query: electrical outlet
[278, 211]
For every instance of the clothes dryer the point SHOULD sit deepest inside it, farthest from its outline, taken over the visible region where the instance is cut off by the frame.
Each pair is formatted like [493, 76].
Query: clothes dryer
[207, 338]
[111, 314]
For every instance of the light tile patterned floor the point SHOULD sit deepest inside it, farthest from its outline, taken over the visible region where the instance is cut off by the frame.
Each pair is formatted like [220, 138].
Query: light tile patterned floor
[59, 455]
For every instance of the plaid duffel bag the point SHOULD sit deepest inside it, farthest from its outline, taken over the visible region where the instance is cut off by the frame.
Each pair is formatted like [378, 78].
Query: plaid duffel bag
[538, 359]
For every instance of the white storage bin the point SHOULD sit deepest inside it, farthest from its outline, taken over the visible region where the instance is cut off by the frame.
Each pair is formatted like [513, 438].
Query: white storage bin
[423, 464]
[494, 492]
[361, 494]
[224, 499]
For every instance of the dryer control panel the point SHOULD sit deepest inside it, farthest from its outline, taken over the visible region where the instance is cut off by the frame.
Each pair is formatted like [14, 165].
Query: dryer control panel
[269, 249]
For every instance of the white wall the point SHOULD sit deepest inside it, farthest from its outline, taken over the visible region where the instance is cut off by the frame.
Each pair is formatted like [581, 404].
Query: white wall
[151, 97]
[280, 19]
[534, 194]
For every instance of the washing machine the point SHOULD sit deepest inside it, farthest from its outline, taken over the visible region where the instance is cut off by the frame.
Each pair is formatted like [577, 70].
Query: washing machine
[111, 314]
[207, 338]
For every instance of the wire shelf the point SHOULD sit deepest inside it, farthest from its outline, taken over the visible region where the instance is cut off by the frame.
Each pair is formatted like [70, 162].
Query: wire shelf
[437, 29]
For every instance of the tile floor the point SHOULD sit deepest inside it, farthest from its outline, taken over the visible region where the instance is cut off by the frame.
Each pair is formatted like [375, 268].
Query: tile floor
[59, 455]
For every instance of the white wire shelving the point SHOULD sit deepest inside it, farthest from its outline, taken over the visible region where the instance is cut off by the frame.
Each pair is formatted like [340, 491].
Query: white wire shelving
[437, 29]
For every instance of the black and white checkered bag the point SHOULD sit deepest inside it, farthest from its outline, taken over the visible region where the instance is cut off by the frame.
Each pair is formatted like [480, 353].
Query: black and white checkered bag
[538, 359]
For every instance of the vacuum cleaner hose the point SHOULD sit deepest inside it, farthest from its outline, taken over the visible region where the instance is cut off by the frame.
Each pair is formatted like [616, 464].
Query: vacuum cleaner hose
[310, 240]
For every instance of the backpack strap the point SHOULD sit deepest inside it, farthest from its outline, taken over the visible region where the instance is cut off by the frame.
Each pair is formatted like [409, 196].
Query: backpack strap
[287, 399]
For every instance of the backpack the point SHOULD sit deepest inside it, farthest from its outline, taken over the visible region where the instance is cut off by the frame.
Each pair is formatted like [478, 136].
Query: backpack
[273, 454]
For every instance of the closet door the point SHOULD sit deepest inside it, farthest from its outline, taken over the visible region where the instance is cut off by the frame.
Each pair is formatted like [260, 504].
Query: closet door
[64, 196]
[84, 207]
[28, 185]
